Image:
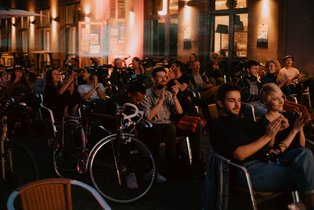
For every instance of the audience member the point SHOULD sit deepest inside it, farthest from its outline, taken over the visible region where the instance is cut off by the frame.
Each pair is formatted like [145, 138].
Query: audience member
[181, 80]
[4, 80]
[200, 82]
[250, 86]
[92, 90]
[18, 87]
[57, 95]
[291, 134]
[188, 65]
[293, 78]
[158, 105]
[245, 142]
[214, 69]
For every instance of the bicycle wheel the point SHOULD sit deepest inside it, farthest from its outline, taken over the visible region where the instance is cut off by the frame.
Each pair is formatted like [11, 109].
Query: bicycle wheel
[129, 160]
[67, 156]
[19, 164]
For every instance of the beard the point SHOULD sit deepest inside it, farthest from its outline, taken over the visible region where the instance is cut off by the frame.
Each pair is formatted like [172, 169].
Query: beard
[159, 86]
[229, 113]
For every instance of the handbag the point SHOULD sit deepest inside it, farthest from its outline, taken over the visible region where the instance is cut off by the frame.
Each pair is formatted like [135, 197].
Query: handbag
[189, 123]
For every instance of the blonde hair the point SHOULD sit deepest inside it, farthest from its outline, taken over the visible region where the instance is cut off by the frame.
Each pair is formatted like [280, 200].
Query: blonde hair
[266, 90]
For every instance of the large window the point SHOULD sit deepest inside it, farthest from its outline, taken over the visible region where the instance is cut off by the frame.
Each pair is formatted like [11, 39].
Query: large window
[221, 37]
[229, 26]
[161, 28]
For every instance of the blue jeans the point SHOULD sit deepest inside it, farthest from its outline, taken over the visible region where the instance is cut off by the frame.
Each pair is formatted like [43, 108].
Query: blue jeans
[295, 172]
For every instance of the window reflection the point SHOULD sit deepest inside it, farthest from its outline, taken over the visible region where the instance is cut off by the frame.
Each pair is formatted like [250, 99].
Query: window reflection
[240, 35]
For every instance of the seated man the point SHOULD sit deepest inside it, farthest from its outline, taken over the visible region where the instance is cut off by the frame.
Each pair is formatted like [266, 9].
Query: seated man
[243, 142]
[158, 105]
[250, 86]
[200, 83]
[290, 77]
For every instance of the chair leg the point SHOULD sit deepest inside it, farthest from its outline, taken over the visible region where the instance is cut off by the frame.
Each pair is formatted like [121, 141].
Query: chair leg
[189, 149]
[295, 196]
[309, 97]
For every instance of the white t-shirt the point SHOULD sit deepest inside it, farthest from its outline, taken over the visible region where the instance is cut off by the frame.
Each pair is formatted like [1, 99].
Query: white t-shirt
[83, 89]
[289, 73]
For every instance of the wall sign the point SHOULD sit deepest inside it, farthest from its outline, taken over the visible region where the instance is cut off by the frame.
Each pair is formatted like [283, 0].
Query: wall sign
[262, 36]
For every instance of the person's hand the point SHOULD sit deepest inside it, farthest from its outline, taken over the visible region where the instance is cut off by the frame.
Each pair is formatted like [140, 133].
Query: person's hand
[95, 81]
[300, 122]
[176, 82]
[72, 76]
[162, 96]
[284, 123]
[175, 90]
[273, 127]
[301, 76]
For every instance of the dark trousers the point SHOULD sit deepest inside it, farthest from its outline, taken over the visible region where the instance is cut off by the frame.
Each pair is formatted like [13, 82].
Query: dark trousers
[153, 136]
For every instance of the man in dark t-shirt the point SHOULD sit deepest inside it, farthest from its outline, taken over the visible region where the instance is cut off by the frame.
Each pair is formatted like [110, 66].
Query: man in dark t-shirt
[182, 81]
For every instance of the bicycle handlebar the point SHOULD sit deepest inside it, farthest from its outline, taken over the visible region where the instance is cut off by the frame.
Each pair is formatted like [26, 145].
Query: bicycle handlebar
[136, 113]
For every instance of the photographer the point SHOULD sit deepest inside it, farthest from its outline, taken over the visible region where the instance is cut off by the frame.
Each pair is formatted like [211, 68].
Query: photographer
[58, 95]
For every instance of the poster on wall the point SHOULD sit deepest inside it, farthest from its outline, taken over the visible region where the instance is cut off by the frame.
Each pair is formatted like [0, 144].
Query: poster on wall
[90, 41]
[262, 36]
[116, 39]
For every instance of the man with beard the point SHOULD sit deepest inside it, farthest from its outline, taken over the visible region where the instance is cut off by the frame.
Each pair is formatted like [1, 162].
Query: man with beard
[245, 143]
[158, 105]
[250, 86]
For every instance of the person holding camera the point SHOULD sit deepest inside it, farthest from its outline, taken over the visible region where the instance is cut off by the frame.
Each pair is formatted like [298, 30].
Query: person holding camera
[57, 95]
[92, 90]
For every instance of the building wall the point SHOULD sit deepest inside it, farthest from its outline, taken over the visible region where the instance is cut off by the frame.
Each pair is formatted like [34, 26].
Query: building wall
[188, 29]
[263, 12]
[299, 32]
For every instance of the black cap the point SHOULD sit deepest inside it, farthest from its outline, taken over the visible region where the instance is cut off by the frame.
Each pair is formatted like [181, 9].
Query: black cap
[287, 56]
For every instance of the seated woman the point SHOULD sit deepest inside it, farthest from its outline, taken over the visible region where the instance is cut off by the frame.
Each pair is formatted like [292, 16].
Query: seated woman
[140, 72]
[57, 95]
[92, 90]
[18, 87]
[271, 77]
[291, 134]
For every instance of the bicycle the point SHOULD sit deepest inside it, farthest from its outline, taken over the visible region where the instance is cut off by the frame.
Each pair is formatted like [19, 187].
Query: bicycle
[120, 166]
[17, 163]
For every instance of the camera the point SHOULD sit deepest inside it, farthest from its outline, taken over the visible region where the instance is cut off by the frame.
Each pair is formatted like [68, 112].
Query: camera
[272, 157]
